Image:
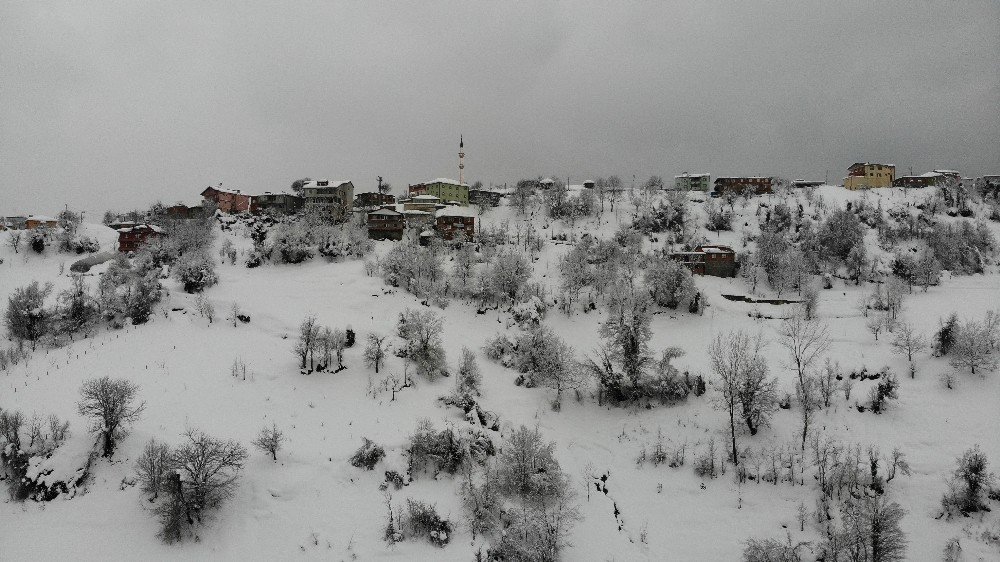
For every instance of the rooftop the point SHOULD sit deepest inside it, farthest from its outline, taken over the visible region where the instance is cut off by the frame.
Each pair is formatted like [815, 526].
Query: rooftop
[323, 184]
[454, 211]
[444, 180]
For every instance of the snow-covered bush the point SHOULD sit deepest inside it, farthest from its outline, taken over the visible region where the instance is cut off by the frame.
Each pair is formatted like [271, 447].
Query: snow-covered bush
[542, 511]
[505, 277]
[38, 238]
[886, 389]
[670, 283]
[196, 272]
[527, 467]
[438, 451]
[718, 218]
[421, 331]
[292, 244]
[368, 455]
[79, 308]
[770, 550]
[531, 311]
[970, 485]
[422, 520]
[26, 317]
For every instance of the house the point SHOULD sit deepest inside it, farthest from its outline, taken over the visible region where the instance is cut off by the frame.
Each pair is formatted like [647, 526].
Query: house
[130, 238]
[695, 182]
[866, 175]
[485, 197]
[227, 200]
[709, 259]
[546, 183]
[743, 185]
[929, 179]
[950, 174]
[386, 224]
[798, 184]
[426, 203]
[16, 222]
[183, 212]
[453, 222]
[333, 198]
[443, 188]
[280, 203]
[373, 200]
[40, 221]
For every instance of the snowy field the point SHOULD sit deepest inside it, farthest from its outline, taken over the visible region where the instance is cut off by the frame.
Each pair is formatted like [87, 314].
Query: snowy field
[313, 504]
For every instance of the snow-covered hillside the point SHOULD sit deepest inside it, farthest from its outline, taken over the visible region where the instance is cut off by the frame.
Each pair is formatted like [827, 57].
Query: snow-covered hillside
[313, 503]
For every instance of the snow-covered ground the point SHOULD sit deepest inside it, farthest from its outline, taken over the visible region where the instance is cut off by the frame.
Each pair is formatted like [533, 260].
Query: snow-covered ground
[312, 503]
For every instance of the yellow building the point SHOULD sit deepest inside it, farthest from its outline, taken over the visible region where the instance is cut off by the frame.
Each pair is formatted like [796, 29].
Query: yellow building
[864, 175]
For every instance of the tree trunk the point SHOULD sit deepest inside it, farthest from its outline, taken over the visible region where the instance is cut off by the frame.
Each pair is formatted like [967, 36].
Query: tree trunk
[732, 433]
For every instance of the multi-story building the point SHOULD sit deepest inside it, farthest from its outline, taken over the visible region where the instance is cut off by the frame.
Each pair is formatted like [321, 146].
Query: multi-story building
[806, 183]
[40, 221]
[443, 188]
[866, 175]
[743, 185]
[276, 203]
[227, 200]
[386, 224]
[929, 179]
[130, 238]
[484, 197]
[373, 200]
[453, 222]
[709, 259]
[695, 182]
[332, 198]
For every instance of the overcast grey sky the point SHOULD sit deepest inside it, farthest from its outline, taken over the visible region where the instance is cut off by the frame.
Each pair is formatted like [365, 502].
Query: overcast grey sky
[118, 104]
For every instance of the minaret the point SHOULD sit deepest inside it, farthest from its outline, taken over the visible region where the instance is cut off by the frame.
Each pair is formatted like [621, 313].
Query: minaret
[461, 159]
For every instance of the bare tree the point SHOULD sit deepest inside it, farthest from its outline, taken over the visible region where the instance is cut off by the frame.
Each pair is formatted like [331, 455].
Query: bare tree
[152, 466]
[973, 348]
[375, 351]
[305, 347]
[209, 468]
[806, 341]
[877, 323]
[270, 440]
[111, 404]
[741, 369]
[809, 399]
[907, 340]
[14, 240]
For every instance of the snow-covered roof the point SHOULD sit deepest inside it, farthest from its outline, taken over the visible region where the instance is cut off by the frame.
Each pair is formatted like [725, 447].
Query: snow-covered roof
[548, 181]
[948, 172]
[425, 197]
[280, 193]
[453, 211]
[41, 218]
[687, 175]
[415, 212]
[329, 183]
[389, 212]
[872, 164]
[152, 227]
[446, 180]
[223, 190]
